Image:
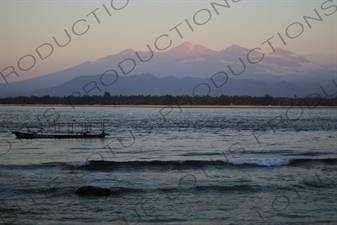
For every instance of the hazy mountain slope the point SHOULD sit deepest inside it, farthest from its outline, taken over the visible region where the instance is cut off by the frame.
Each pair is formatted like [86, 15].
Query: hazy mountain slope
[190, 60]
[147, 84]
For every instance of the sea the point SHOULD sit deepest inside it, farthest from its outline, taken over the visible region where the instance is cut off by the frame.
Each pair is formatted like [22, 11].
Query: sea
[171, 165]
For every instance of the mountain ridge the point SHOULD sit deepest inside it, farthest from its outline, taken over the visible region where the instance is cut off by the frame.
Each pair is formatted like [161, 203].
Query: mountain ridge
[148, 84]
[187, 60]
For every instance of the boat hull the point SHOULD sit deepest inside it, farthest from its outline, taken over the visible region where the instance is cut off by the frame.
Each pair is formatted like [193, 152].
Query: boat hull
[57, 136]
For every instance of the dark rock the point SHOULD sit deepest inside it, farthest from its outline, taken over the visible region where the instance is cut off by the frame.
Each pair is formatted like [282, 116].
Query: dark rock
[93, 191]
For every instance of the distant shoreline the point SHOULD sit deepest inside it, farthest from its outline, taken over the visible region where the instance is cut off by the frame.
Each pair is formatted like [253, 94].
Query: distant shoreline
[163, 106]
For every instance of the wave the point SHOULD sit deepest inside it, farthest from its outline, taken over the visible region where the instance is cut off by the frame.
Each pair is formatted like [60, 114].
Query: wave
[170, 190]
[192, 164]
[262, 162]
[162, 165]
[299, 161]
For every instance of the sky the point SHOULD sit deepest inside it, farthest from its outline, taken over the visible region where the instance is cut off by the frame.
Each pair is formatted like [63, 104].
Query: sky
[102, 28]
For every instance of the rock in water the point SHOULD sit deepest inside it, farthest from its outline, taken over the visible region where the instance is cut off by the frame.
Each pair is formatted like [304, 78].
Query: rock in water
[93, 191]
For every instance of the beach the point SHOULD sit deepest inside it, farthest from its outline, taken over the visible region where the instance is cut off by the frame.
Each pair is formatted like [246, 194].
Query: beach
[165, 106]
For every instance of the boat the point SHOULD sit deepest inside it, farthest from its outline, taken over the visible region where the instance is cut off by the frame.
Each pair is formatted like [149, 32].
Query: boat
[84, 132]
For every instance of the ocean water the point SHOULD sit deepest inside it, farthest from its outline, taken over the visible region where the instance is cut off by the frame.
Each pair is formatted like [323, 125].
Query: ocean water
[172, 166]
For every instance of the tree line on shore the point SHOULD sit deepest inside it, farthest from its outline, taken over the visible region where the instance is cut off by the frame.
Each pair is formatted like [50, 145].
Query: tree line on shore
[107, 99]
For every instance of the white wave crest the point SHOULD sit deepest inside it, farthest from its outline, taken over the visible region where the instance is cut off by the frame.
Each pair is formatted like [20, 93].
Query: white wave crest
[78, 163]
[261, 162]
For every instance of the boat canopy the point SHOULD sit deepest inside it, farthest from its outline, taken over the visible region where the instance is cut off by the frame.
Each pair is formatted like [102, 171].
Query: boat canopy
[86, 127]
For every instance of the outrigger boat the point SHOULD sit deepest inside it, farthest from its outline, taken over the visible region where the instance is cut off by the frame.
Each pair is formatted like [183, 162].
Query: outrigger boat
[85, 131]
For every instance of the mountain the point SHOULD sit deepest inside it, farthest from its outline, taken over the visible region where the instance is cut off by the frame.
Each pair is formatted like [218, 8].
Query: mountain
[147, 84]
[195, 61]
[187, 50]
